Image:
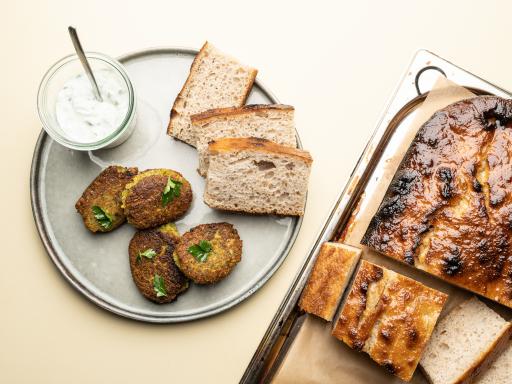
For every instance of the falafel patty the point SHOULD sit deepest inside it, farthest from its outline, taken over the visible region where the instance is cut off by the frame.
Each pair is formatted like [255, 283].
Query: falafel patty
[153, 269]
[100, 203]
[209, 252]
[155, 197]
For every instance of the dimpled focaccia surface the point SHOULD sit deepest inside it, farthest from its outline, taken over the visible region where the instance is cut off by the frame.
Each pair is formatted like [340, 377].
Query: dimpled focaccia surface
[390, 317]
[142, 198]
[105, 192]
[448, 210]
[225, 254]
[331, 273]
[162, 241]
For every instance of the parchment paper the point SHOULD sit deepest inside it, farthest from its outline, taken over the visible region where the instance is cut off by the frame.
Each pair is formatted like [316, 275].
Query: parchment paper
[316, 357]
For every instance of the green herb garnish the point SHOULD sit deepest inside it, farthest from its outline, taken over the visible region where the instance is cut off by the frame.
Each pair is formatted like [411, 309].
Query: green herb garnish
[103, 218]
[159, 286]
[200, 251]
[171, 191]
[148, 254]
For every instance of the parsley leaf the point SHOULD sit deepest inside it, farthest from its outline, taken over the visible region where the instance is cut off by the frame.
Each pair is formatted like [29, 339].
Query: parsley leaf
[148, 253]
[159, 286]
[103, 218]
[171, 191]
[200, 251]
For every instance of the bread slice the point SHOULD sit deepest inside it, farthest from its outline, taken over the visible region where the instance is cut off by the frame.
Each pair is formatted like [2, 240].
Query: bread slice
[216, 80]
[331, 273]
[464, 343]
[273, 122]
[390, 317]
[500, 372]
[257, 176]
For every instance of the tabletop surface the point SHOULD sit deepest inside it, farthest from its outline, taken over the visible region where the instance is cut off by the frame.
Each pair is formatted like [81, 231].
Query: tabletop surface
[337, 62]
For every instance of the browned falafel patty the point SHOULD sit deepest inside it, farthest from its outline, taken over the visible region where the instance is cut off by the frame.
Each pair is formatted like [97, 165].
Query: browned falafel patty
[155, 197]
[153, 269]
[100, 203]
[209, 252]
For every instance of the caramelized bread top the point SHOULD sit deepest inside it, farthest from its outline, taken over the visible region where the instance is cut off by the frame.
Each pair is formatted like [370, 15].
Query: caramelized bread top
[448, 209]
[221, 113]
[258, 145]
[390, 317]
[328, 279]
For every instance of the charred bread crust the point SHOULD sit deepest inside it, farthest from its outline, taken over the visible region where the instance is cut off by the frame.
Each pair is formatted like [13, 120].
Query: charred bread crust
[231, 144]
[224, 113]
[448, 209]
[389, 316]
[409, 314]
[328, 279]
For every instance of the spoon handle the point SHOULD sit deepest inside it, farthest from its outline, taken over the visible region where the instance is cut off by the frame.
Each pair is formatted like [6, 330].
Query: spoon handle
[83, 59]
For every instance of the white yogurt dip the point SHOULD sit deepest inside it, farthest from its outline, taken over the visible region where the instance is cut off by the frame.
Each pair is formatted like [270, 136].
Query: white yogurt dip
[84, 119]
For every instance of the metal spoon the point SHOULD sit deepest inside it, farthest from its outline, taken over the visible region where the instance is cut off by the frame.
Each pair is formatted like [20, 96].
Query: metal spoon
[83, 59]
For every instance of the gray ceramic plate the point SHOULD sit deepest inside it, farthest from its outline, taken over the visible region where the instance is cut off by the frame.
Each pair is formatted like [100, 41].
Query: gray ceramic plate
[97, 265]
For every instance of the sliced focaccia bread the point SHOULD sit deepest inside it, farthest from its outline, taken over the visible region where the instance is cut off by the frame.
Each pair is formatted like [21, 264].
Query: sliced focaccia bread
[390, 317]
[257, 176]
[465, 343]
[216, 80]
[331, 273]
[272, 122]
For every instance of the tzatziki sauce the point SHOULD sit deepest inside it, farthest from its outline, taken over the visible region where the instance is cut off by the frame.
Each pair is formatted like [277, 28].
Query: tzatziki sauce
[84, 119]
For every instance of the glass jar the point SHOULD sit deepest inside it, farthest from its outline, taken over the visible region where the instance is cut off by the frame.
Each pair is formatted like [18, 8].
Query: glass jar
[54, 80]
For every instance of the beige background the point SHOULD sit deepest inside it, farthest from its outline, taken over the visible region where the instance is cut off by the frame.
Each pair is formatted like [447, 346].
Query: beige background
[336, 62]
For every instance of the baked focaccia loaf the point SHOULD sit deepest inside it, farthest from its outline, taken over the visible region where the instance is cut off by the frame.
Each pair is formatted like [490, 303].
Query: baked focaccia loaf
[390, 317]
[448, 209]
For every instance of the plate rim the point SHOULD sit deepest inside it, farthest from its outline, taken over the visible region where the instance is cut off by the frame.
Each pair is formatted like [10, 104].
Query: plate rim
[41, 226]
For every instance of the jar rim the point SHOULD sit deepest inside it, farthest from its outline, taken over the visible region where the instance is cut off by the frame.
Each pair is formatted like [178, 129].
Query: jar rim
[123, 126]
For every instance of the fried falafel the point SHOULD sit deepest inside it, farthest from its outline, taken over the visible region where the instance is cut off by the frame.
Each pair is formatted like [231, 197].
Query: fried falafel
[153, 268]
[209, 252]
[100, 203]
[155, 197]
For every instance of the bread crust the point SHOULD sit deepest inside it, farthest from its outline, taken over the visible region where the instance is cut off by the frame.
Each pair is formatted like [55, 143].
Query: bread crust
[224, 113]
[332, 270]
[389, 316]
[448, 209]
[231, 144]
[253, 72]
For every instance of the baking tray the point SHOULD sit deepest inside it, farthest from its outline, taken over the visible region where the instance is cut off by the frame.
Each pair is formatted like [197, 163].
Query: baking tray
[397, 116]
[97, 265]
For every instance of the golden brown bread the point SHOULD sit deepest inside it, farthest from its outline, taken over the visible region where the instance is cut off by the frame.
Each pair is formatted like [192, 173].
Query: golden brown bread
[331, 273]
[261, 145]
[448, 210]
[203, 117]
[390, 317]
